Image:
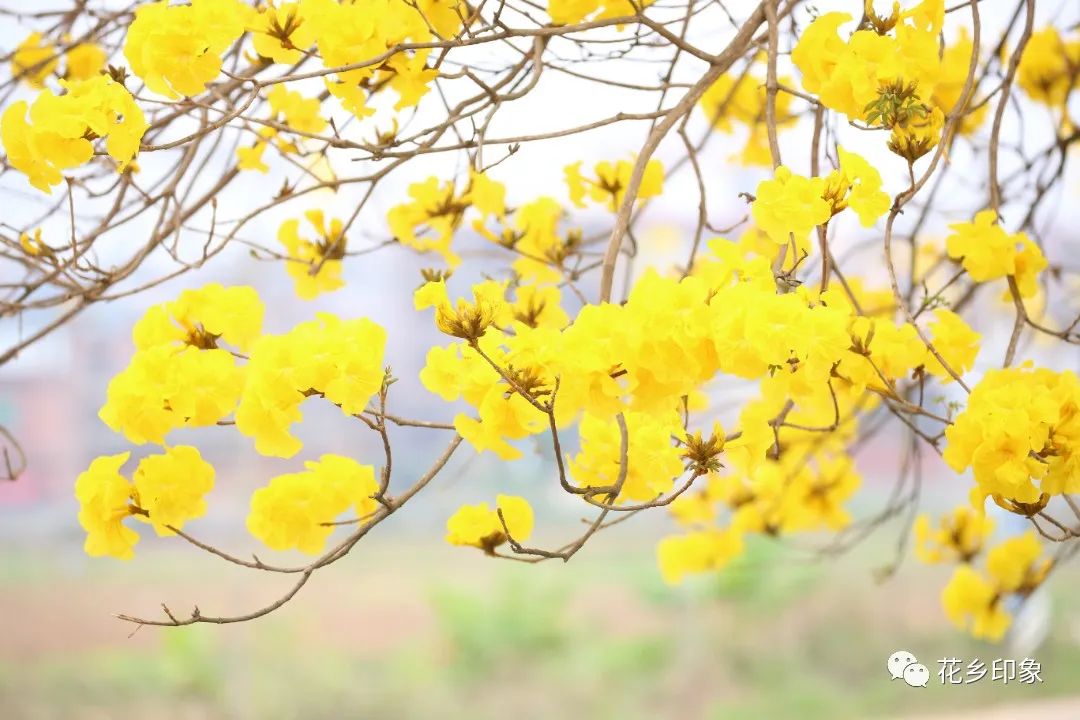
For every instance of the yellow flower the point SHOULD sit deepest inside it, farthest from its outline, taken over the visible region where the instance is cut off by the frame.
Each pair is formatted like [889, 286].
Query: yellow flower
[176, 49]
[431, 294]
[857, 184]
[40, 155]
[975, 602]
[435, 208]
[917, 136]
[292, 512]
[984, 248]
[487, 194]
[165, 388]
[972, 604]
[611, 181]
[84, 61]
[1015, 564]
[653, 461]
[348, 31]
[354, 484]
[789, 205]
[568, 12]
[56, 138]
[742, 98]
[34, 246]
[480, 526]
[819, 50]
[410, 77]
[697, 552]
[104, 495]
[503, 415]
[251, 157]
[179, 376]
[959, 536]
[539, 307]
[987, 252]
[340, 359]
[34, 60]
[821, 492]
[1019, 435]
[535, 234]
[170, 487]
[314, 265]
[470, 320]
[1029, 263]
[1047, 70]
[298, 112]
[282, 32]
[202, 316]
[853, 76]
[929, 15]
[295, 510]
[955, 341]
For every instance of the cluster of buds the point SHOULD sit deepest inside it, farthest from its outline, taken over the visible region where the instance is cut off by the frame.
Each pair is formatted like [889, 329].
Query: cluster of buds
[467, 320]
[702, 454]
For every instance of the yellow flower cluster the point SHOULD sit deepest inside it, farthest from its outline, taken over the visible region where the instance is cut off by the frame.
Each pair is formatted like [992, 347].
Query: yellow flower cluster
[176, 49]
[697, 552]
[958, 536]
[480, 526]
[668, 339]
[609, 185]
[428, 222]
[804, 489]
[461, 371]
[168, 489]
[791, 205]
[314, 265]
[532, 233]
[988, 252]
[84, 61]
[347, 34]
[847, 75]
[35, 59]
[976, 601]
[1048, 68]
[338, 359]
[180, 375]
[1020, 434]
[296, 111]
[891, 73]
[297, 510]
[652, 461]
[62, 128]
[620, 388]
[648, 360]
[281, 32]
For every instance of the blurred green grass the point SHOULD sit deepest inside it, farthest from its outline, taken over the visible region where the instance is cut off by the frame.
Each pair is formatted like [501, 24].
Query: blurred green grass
[411, 632]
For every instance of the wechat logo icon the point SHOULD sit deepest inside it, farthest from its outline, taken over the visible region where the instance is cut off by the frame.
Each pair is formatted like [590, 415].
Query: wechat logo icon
[902, 665]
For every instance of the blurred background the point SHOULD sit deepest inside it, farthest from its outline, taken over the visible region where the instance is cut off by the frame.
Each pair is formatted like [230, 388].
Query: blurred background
[408, 627]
